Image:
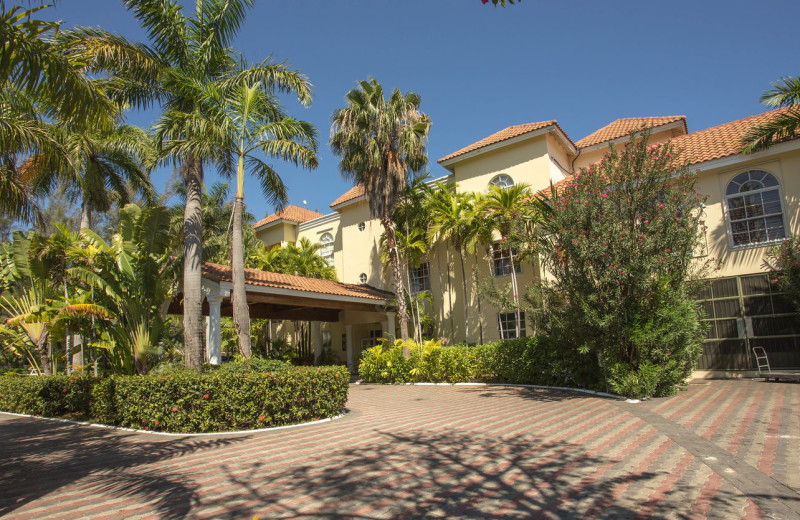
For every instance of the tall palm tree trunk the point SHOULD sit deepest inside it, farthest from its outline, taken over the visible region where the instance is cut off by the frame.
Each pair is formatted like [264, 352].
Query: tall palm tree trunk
[44, 348]
[466, 296]
[449, 291]
[397, 275]
[514, 288]
[192, 173]
[241, 312]
[478, 296]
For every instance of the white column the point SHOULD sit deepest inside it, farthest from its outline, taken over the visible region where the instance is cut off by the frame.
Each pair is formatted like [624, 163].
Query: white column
[316, 339]
[348, 332]
[213, 330]
[390, 323]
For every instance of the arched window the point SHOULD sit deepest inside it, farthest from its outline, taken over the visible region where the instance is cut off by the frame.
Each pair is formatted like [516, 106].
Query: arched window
[362, 278]
[501, 181]
[755, 211]
[326, 251]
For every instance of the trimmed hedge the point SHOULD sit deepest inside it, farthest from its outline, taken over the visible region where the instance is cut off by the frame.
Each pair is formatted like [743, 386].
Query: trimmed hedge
[533, 361]
[184, 402]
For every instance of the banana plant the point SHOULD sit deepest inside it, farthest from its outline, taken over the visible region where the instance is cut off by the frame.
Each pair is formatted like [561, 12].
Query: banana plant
[133, 276]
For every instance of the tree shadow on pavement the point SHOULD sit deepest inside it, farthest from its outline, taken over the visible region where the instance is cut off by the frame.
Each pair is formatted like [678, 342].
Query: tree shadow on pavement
[40, 457]
[421, 474]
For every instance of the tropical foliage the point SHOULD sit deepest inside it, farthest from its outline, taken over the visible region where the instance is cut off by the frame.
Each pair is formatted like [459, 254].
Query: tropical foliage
[302, 259]
[380, 141]
[133, 278]
[784, 124]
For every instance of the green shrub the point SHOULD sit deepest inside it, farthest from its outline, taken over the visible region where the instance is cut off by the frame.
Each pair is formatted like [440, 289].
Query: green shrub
[185, 401]
[254, 364]
[51, 396]
[535, 361]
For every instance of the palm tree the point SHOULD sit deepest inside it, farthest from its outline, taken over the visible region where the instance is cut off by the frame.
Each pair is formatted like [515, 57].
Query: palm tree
[453, 217]
[784, 93]
[379, 141]
[253, 122]
[102, 167]
[298, 260]
[38, 81]
[187, 54]
[504, 206]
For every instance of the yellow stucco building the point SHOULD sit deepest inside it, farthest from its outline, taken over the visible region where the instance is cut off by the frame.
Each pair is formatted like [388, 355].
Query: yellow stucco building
[753, 203]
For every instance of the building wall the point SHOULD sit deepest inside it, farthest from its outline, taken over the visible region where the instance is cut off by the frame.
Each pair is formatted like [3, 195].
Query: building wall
[527, 162]
[278, 234]
[736, 261]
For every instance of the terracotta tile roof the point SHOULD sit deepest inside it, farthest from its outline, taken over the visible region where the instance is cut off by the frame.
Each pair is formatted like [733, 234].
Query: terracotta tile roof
[623, 127]
[352, 193]
[712, 143]
[502, 135]
[291, 213]
[218, 273]
[720, 141]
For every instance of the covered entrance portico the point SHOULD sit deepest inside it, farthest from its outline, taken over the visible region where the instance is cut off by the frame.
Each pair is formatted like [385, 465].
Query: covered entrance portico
[285, 297]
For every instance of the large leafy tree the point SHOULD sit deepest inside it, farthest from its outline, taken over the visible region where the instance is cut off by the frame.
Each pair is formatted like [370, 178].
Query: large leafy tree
[185, 54]
[784, 93]
[619, 247]
[380, 141]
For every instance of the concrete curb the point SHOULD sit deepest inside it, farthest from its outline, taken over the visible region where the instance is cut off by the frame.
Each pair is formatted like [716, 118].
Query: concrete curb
[168, 434]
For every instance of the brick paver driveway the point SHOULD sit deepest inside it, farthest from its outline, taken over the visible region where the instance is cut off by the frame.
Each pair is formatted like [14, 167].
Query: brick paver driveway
[724, 449]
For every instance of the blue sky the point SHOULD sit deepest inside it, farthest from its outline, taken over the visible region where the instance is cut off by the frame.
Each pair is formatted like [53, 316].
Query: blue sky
[480, 69]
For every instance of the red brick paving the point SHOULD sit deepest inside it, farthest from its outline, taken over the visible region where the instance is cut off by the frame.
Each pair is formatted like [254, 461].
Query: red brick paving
[433, 451]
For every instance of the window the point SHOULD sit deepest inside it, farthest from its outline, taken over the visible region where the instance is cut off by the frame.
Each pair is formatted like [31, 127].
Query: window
[361, 226]
[420, 278]
[507, 322]
[501, 181]
[362, 278]
[502, 261]
[326, 251]
[755, 212]
[327, 339]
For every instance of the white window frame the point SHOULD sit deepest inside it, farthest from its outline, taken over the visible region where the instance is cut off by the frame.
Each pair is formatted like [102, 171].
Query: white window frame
[326, 251]
[499, 180]
[510, 319]
[420, 278]
[728, 217]
[505, 259]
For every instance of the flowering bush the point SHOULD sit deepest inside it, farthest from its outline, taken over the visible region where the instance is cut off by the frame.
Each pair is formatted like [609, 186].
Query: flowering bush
[184, 401]
[619, 244]
[784, 263]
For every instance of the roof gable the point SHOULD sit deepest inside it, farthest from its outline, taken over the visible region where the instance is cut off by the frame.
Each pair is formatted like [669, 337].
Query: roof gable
[290, 213]
[506, 134]
[623, 127]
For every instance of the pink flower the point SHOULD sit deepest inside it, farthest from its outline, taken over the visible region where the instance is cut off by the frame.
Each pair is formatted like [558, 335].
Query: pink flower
[205, 396]
[156, 423]
[174, 409]
[604, 195]
[261, 418]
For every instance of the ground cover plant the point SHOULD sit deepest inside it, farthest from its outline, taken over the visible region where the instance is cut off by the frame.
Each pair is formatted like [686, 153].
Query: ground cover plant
[184, 401]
